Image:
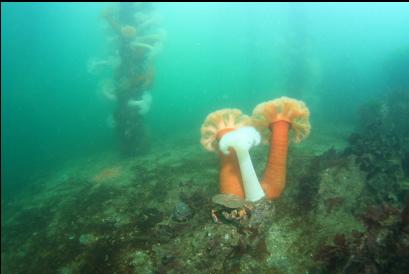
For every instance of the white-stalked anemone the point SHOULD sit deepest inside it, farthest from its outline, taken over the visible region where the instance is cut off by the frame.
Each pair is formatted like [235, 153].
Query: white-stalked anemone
[143, 105]
[241, 140]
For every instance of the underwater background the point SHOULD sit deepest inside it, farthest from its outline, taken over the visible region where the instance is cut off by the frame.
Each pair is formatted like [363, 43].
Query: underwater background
[73, 202]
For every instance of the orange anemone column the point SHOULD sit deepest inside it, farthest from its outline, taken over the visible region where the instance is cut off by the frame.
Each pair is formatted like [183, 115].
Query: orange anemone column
[275, 119]
[273, 181]
[229, 177]
[215, 126]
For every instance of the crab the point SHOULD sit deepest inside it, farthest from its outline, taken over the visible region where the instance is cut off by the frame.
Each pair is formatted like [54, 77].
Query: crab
[239, 215]
[214, 216]
[231, 207]
[235, 215]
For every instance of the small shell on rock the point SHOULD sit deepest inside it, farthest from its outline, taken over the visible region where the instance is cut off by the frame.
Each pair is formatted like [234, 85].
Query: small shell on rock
[230, 201]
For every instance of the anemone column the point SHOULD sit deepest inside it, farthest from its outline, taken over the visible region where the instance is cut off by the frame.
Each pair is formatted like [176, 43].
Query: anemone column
[275, 119]
[136, 35]
[216, 125]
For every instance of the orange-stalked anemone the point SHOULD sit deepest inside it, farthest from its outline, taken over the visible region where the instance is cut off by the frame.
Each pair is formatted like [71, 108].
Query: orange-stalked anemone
[215, 126]
[275, 119]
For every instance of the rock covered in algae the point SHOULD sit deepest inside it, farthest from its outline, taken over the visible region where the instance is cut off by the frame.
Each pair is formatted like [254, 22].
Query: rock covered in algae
[182, 212]
[87, 239]
[140, 262]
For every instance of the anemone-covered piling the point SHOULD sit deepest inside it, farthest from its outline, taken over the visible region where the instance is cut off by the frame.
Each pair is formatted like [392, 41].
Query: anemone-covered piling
[137, 38]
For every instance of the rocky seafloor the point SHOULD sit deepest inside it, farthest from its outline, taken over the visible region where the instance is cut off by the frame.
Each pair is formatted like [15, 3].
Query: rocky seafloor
[155, 214]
